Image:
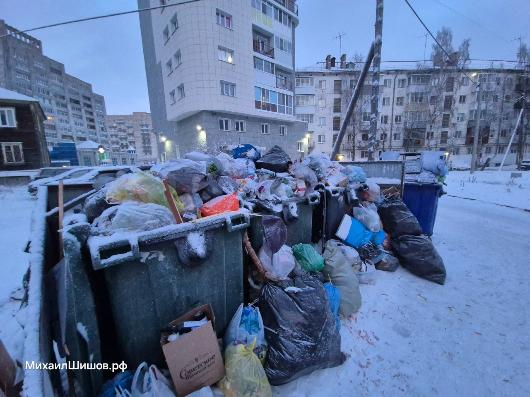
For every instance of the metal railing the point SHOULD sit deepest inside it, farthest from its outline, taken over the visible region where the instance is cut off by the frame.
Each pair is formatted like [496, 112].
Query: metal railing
[264, 48]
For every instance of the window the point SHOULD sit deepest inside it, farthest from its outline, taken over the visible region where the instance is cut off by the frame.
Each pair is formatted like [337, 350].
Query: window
[224, 125]
[300, 146]
[384, 136]
[337, 86]
[366, 116]
[483, 114]
[337, 105]
[169, 67]
[285, 103]
[504, 133]
[172, 97]
[174, 23]
[283, 130]
[266, 99]
[400, 101]
[397, 118]
[446, 117]
[322, 84]
[456, 150]
[265, 128]
[433, 100]
[286, 46]
[443, 137]
[321, 138]
[12, 152]
[228, 89]
[396, 136]
[402, 83]
[448, 102]
[165, 34]
[321, 103]
[450, 84]
[386, 101]
[420, 79]
[240, 126]
[364, 154]
[495, 98]
[464, 81]
[416, 97]
[461, 117]
[336, 123]
[224, 19]
[322, 121]
[462, 99]
[225, 54]
[263, 65]
[305, 82]
[384, 119]
[308, 118]
[178, 58]
[7, 118]
[387, 82]
[180, 91]
[304, 100]
[458, 134]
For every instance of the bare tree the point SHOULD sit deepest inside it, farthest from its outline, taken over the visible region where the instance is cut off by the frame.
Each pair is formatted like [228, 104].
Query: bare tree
[523, 55]
[445, 38]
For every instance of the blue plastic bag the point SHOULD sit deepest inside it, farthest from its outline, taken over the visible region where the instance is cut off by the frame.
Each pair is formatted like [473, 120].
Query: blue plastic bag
[355, 174]
[334, 301]
[246, 327]
[246, 151]
[378, 238]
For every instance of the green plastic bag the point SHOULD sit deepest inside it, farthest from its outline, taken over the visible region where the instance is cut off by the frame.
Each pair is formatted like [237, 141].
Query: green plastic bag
[308, 257]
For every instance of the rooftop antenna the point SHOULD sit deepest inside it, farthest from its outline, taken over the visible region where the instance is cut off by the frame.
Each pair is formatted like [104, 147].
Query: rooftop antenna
[339, 36]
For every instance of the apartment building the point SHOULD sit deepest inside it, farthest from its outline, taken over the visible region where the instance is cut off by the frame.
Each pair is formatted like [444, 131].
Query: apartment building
[221, 72]
[74, 113]
[419, 109]
[132, 133]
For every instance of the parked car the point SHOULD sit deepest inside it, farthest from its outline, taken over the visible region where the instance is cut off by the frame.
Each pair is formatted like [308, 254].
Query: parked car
[525, 165]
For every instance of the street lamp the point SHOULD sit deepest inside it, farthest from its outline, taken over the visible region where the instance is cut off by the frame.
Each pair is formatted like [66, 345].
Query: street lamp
[101, 149]
[198, 127]
[163, 138]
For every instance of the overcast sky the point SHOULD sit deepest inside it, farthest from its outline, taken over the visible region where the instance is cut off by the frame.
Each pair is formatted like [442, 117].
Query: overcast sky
[108, 52]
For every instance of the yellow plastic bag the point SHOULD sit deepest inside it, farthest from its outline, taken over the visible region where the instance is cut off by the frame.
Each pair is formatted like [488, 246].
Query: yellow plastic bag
[141, 187]
[245, 376]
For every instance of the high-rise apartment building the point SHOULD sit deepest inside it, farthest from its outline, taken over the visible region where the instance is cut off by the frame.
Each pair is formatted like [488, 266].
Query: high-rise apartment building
[133, 133]
[73, 111]
[419, 109]
[221, 72]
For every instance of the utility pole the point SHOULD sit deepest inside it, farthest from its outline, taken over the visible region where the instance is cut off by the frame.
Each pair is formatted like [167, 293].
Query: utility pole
[375, 78]
[476, 134]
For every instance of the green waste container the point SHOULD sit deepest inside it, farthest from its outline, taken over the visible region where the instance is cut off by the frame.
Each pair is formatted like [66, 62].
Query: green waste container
[155, 276]
[299, 229]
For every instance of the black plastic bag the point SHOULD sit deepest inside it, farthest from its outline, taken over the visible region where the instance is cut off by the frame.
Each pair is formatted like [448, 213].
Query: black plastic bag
[418, 255]
[275, 160]
[397, 219]
[274, 232]
[299, 327]
[95, 204]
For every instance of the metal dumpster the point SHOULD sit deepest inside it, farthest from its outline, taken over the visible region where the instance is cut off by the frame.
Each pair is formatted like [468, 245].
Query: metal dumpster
[155, 276]
[299, 229]
[334, 201]
[422, 200]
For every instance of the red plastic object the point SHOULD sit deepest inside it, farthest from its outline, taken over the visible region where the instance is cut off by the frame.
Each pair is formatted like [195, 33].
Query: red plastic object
[218, 205]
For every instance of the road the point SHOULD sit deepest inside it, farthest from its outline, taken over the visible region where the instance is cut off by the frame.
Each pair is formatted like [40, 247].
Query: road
[469, 337]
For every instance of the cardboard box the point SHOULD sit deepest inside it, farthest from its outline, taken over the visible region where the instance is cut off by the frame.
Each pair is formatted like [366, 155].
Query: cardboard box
[194, 359]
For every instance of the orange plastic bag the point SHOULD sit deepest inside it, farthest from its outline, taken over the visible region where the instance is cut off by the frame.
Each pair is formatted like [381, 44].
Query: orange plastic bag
[218, 205]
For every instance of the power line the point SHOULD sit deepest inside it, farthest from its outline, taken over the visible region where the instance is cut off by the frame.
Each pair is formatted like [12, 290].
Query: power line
[101, 17]
[471, 19]
[436, 41]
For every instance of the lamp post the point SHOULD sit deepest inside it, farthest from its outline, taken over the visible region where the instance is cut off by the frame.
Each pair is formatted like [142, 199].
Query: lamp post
[101, 154]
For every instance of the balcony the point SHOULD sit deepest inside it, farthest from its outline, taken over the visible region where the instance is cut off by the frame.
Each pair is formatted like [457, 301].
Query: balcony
[264, 48]
[284, 83]
[416, 125]
[289, 4]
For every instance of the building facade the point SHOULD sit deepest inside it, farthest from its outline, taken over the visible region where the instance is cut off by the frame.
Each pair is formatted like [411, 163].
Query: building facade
[132, 133]
[420, 109]
[22, 144]
[221, 72]
[74, 113]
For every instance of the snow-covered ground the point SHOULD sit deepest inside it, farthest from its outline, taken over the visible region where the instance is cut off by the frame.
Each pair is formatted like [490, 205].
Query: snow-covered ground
[411, 337]
[491, 186]
[15, 222]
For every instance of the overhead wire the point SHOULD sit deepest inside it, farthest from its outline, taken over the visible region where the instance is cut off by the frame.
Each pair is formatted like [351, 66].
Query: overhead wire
[102, 16]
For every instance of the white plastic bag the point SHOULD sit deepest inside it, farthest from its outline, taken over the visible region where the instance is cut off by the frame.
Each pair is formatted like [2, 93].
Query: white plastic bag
[368, 216]
[251, 332]
[150, 382]
[280, 264]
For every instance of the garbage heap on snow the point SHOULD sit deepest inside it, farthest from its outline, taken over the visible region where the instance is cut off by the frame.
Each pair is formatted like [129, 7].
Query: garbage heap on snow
[288, 319]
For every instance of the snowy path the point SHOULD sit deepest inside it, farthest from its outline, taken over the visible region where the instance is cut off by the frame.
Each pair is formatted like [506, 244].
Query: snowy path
[468, 338]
